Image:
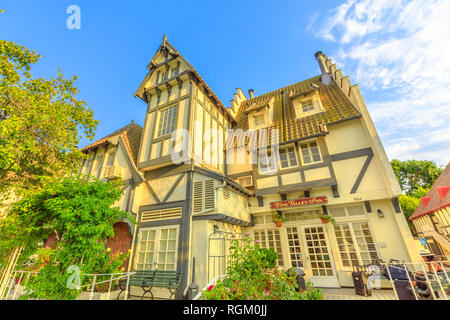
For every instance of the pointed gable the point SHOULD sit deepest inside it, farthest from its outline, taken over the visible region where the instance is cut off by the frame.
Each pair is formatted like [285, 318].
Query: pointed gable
[437, 198]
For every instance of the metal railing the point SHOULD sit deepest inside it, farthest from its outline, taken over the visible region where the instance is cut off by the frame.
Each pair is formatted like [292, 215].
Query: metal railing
[427, 273]
[19, 278]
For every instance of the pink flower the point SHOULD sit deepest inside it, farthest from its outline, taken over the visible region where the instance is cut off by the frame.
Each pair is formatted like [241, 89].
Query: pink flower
[210, 287]
[256, 241]
[228, 289]
[247, 234]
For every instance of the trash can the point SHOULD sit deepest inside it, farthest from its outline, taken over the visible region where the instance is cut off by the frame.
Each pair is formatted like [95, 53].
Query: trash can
[404, 290]
[360, 279]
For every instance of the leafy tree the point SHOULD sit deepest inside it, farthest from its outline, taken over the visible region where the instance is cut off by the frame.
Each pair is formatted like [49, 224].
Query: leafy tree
[415, 178]
[414, 174]
[41, 122]
[82, 214]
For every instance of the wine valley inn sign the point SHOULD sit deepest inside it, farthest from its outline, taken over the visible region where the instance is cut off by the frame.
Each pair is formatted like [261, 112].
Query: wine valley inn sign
[298, 202]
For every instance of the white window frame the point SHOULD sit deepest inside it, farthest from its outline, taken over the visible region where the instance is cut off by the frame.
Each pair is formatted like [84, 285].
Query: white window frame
[310, 152]
[290, 165]
[166, 128]
[157, 245]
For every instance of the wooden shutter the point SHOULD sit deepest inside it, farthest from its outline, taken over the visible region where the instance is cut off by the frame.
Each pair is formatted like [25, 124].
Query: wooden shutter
[198, 196]
[209, 194]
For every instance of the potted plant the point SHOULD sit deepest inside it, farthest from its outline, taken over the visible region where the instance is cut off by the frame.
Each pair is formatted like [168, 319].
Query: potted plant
[326, 218]
[278, 219]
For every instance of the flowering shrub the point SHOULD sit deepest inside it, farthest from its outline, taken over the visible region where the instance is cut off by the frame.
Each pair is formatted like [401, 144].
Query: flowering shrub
[252, 275]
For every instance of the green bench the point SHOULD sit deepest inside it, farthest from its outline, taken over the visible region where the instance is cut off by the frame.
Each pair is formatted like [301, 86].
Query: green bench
[149, 279]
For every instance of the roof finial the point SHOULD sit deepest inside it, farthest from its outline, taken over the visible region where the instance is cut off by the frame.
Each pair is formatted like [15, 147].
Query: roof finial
[164, 39]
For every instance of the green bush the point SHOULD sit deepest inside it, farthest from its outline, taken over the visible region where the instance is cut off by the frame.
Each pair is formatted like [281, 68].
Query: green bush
[253, 275]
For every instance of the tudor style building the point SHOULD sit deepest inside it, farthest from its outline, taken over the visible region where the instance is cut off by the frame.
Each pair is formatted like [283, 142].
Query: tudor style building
[324, 156]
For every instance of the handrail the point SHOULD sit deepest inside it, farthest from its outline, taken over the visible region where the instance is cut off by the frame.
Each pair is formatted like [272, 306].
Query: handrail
[208, 285]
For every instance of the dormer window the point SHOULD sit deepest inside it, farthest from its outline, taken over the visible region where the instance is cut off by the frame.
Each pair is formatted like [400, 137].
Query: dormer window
[307, 105]
[259, 120]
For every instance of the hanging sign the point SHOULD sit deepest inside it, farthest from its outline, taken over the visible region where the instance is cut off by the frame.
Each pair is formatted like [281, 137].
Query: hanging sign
[423, 241]
[298, 202]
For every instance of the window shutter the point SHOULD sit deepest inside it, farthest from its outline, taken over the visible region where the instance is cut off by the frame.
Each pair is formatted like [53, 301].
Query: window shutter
[198, 196]
[226, 193]
[209, 194]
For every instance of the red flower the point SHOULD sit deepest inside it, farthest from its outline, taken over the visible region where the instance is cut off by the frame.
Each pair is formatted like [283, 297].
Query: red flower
[210, 287]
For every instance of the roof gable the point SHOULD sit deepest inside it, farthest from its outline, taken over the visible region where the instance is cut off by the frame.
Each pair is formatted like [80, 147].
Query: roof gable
[437, 198]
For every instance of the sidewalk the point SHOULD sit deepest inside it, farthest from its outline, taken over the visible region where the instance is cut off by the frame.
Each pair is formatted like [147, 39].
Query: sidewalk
[349, 294]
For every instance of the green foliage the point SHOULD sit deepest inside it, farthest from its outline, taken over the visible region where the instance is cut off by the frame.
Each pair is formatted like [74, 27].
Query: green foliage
[415, 178]
[277, 217]
[329, 218]
[82, 214]
[41, 122]
[252, 275]
[413, 175]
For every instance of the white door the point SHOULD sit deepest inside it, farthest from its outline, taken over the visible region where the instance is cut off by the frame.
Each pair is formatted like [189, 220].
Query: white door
[157, 249]
[318, 258]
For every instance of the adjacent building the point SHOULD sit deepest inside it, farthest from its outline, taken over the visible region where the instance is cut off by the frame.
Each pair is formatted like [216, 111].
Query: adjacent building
[200, 173]
[431, 219]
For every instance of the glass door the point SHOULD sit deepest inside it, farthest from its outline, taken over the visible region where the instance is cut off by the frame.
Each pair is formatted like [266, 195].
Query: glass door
[319, 259]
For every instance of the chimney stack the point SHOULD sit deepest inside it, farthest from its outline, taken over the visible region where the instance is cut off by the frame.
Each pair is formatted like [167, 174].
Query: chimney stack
[320, 59]
[326, 78]
[251, 93]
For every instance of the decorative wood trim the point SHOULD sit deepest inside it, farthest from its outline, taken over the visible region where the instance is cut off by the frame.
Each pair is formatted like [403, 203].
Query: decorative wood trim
[149, 187]
[172, 189]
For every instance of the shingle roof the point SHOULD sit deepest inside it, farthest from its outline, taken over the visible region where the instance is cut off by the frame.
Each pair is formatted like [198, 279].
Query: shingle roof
[337, 108]
[435, 201]
[132, 135]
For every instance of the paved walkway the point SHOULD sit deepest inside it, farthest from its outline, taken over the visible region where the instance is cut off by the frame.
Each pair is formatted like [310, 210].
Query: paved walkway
[349, 294]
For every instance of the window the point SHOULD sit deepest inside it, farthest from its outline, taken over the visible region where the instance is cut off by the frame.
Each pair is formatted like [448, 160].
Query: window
[259, 120]
[99, 164]
[310, 153]
[355, 243]
[157, 249]
[167, 119]
[307, 106]
[90, 164]
[266, 162]
[288, 157]
[111, 157]
[301, 216]
[350, 211]
[270, 239]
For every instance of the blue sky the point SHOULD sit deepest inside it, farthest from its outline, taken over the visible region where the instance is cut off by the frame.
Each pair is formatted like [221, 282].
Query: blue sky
[394, 50]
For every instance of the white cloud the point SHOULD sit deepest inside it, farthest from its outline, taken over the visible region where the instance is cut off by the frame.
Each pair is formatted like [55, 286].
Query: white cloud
[399, 53]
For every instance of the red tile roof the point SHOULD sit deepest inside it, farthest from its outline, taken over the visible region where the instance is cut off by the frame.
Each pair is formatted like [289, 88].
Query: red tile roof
[437, 198]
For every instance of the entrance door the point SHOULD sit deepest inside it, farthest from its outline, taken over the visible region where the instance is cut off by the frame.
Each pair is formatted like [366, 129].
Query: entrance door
[319, 259]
